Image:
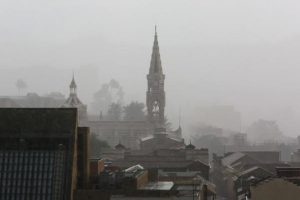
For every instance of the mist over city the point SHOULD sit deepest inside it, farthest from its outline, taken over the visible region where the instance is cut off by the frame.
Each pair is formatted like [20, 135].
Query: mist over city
[221, 76]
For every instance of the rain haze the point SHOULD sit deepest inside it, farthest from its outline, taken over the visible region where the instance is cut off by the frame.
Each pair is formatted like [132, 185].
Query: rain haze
[214, 53]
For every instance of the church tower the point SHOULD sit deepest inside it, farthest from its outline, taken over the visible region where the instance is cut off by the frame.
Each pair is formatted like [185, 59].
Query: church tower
[156, 94]
[74, 102]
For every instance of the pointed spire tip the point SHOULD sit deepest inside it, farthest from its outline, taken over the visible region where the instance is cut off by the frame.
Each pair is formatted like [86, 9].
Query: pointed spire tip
[73, 83]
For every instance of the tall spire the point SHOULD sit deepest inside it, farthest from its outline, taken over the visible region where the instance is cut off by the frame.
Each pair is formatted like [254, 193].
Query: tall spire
[73, 85]
[156, 95]
[73, 100]
[155, 65]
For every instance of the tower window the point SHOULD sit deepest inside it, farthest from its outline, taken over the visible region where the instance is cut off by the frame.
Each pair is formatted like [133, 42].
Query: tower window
[155, 108]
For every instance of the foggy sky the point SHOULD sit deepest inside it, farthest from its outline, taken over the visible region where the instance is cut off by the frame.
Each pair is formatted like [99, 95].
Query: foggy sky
[233, 52]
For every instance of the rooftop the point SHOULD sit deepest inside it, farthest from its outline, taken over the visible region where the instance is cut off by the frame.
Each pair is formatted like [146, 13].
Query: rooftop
[230, 159]
[162, 185]
[45, 122]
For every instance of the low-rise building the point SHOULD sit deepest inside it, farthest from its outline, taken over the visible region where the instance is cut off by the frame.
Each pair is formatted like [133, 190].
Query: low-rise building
[275, 189]
[161, 140]
[168, 161]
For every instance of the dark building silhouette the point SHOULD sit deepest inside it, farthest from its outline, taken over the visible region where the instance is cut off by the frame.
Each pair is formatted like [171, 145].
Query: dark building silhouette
[32, 100]
[39, 152]
[83, 155]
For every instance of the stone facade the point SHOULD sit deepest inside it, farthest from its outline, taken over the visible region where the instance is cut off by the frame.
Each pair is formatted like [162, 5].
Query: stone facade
[129, 132]
[155, 100]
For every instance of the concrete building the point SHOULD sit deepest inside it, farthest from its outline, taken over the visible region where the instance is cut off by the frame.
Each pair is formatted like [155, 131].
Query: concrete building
[240, 181]
[235, 172]
[137, 184]
[83, 155]
[43, 153]
[286, 185]
[275, 189]
[171, 162]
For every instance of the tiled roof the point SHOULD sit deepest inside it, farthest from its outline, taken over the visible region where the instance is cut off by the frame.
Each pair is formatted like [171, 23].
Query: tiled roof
[230, 159]
[73, 101]
[122, 163]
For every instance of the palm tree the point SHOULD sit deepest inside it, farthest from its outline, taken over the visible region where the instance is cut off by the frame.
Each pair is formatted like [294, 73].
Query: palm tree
[21, 85]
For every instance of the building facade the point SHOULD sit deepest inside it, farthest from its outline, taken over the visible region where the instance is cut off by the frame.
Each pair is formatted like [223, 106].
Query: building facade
[41, 155]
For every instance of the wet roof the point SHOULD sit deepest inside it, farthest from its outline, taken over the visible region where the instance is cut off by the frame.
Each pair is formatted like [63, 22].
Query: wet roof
[41, 121]
[162, 185]
[229, 160]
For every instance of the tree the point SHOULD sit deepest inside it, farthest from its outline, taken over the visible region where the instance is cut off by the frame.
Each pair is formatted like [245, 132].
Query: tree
[102, 99]
[21, 85]
[204, 129]
[134, 111]
[97, 145]
[55, 95]
[114, 112]
[109, 93]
